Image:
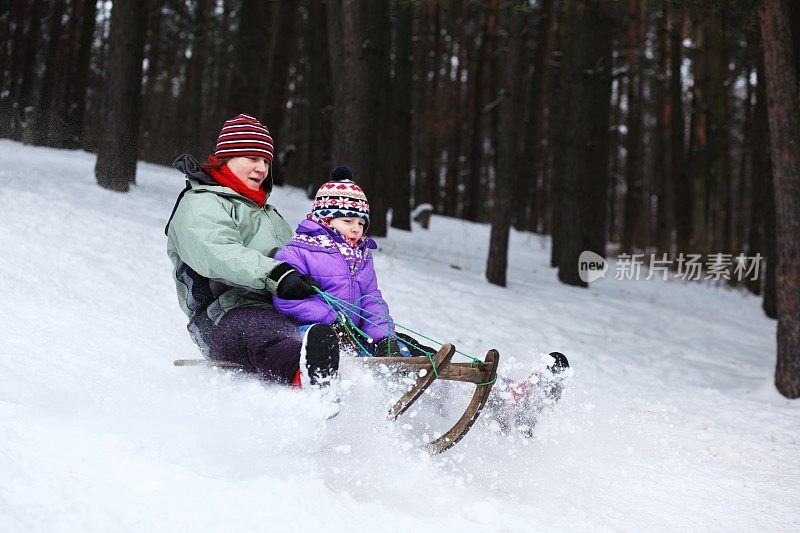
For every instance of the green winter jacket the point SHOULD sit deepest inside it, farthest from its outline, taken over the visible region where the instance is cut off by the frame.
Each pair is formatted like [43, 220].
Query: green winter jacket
[221, 245]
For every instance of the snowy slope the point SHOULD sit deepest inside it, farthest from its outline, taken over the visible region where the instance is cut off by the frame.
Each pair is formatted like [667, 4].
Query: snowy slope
[669, 422]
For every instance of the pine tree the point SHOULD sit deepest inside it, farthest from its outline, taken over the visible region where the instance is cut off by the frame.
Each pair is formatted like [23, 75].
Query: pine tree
[118, 151]
[784, 126]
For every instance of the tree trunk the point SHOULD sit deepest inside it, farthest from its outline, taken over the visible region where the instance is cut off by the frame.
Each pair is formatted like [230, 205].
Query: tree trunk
[582, 165]
[64, 78]
[473, 202]
[634, 224]
[783, 109]
[523, 182]
[542, 204]
[419, 100]
[663, 185]
[150, 92]
[738, 213]
[399, 169]
[598, 121]
[613, 232]
[534, 156]
[196, 139]
[762, 211]
[24, 97]
[164, 128]
[494, 88]
[318, 91]
[427, 153]
[559, 115]
[770, 303]
[512, 20]
[375, 49]
[718, 190]
[249, 62]
[359, 64]
[697, 167]
[19, 14]
[350, 89]
[219, 79]
[456, 98]
[273, 99]
[44, 118]
[5, 34]
[118, 149]
[679, 174]
[77, 98]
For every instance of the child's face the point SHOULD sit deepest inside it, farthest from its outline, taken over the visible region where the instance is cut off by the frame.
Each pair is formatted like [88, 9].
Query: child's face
[350, 227]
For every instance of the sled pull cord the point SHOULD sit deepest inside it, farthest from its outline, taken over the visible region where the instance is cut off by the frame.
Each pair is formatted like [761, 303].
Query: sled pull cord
[339, 310]
[338, 305]
[485, 383]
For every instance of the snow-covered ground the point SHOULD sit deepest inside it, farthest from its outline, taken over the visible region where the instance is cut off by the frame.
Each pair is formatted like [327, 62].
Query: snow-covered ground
[669, 422]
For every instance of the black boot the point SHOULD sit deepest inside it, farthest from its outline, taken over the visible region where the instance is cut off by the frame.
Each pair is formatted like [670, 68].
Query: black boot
[559, 364]
[319, 356]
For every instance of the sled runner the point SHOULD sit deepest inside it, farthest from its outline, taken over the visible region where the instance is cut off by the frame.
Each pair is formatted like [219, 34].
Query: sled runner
[439, 366]
[483, 375]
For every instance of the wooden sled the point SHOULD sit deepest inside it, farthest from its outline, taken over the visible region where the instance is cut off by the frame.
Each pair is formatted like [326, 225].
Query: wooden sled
[482, 374]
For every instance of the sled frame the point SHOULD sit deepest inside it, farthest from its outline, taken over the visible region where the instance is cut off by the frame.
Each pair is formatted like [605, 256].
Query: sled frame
[481, 374]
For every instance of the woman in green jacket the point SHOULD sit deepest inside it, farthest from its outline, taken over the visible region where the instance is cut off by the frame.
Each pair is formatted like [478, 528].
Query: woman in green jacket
[222, 237]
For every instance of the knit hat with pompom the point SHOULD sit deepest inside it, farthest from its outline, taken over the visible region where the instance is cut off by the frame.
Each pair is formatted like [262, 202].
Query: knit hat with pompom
[341, 197]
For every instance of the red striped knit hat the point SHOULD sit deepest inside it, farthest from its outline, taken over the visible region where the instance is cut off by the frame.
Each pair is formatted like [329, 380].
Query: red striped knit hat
[244, 136]
[341, 197]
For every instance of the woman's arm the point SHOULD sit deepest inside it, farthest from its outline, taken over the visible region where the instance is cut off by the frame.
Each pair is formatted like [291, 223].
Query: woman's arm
[206, 238]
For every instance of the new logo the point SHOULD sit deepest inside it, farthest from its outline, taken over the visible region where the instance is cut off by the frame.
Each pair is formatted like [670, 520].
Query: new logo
[591, 266]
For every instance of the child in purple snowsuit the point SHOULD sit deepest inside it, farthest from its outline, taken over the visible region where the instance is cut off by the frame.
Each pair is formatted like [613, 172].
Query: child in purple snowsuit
[332, 247]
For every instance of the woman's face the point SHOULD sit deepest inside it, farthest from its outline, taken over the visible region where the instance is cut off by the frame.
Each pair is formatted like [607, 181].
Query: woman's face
[350, 227]
[251, 170]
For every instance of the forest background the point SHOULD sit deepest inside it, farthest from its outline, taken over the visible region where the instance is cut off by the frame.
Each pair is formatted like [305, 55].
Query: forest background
[659, 129]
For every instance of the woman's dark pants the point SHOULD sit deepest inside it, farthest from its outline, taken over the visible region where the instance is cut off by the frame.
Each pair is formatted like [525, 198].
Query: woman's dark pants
[262, 340]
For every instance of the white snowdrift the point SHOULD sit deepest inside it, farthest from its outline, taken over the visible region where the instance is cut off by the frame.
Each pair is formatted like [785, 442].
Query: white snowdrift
[669, 422]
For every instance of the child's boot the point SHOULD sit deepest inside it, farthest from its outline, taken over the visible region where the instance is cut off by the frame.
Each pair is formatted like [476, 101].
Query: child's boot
[319, 364]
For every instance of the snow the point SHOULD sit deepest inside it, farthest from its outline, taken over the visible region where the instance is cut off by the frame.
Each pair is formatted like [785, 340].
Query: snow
[669, 420]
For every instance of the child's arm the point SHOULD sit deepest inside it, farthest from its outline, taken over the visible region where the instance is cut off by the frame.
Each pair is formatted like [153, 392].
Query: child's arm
[312, 310]
[377, 322]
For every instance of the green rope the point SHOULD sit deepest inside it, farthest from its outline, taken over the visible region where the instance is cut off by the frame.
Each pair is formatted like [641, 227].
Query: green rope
[349, 326]
[490, 382]
[339, 307]
[345, 319]
[342, 306]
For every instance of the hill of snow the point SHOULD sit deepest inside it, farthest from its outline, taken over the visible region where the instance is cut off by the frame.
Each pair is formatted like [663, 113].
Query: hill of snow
[669, 421]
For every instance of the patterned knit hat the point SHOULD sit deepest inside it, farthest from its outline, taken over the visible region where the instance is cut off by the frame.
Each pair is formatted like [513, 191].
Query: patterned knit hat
[244, 136]
[341, 197]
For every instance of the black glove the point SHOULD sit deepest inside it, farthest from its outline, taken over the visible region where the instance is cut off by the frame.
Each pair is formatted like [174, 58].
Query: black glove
[343, 334]
[387, 347]
[295, 286]
[339, 325]
[417, 349]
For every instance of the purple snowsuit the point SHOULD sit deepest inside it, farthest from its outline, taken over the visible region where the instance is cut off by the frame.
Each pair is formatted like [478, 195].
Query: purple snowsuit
[313, 250]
